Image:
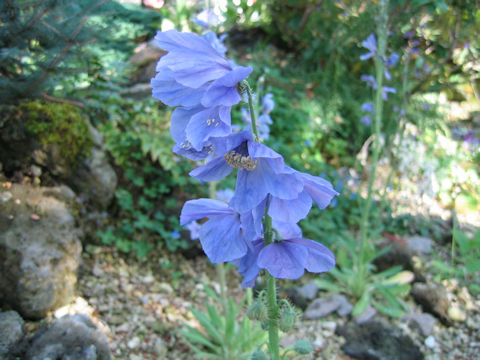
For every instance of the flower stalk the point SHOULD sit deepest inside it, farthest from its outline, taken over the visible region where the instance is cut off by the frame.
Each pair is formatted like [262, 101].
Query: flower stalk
[382, 31]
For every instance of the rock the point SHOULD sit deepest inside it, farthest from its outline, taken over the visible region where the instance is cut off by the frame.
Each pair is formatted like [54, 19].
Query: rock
[323, 306]
[456, 314]
[11, 332]
[419, 244]
[433, 299]
[309, 290]
[430, 342]
[145, 59]
[376, 340]
[345, 307]
[295, 297]
[38, 257]
[424, 322]
[71, 337]
[94, 176]
[367, 315]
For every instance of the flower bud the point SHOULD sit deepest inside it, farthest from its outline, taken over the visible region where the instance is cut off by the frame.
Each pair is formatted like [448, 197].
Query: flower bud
[303, 347]
[257, 311]
[259, 355]
[288, 317]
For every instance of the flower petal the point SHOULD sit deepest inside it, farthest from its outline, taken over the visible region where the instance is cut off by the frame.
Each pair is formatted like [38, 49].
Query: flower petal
[223, 91]
[205, 124]
[291, 211]
[202, 208]
[214, 170]
[319, 189]
[283, 260]
[222, 239]
[320, 259]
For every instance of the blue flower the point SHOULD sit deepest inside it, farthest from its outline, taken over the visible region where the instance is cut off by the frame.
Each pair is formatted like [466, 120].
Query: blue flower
[268, 103]
[370, 80]
[222, 236]
[207, 18]
[261, 171]
[371, 44]
[366, 120]
[387, 90]
[175, 234]
[368, 107]
[194, 228]
[286, 258]
[195, 76]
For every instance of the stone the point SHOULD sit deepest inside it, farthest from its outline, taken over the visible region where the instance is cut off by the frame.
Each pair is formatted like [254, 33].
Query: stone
[71, 337]
[430, 342]
[94, 177]
[456, 314]
[309, 290]
[419, 244]
[345, 306]
[367, 315]
[38, 258]
[145, 60]
[433, 299]
[321, 307]
[11, 332]
[377, 340]
[424, 322]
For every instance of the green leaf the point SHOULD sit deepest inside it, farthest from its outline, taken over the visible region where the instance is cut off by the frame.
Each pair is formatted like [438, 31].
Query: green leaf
[361, 304]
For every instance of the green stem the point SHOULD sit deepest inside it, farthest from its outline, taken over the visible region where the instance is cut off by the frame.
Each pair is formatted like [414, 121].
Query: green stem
[253, 115]
[272, 306]
[382, 30]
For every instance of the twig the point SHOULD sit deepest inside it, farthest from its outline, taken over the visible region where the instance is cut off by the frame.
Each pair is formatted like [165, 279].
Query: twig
[62, 101]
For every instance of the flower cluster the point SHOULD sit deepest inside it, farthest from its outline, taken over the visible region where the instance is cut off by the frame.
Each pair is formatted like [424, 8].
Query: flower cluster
[202, 85]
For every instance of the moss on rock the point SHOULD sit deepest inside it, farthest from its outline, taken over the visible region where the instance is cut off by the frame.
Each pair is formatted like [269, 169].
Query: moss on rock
[60, 125]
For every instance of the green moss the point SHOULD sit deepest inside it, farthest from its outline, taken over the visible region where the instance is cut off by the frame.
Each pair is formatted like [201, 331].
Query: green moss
[59, 125]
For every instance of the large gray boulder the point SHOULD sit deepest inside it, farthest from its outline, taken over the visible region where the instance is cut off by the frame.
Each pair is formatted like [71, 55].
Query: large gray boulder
[39, 249]
[69, 338]
[11, 332]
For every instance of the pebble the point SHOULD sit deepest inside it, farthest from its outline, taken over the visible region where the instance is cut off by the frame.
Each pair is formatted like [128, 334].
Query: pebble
[322, 307]
[366, 316]
[430, 342]
[319, 342]
[425, 322]
[309, 290]
[456, 314]
[134, 342]
[419, 244]
[5, 196]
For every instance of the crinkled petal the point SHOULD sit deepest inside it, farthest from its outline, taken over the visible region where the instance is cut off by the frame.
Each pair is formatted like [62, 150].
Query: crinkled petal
[190, 153]
[202, 208]
[171, 93]
[320, 259]
[223, 91]
[287, 230]
[214, 170]
[247, 266]
[222, 239]
[283, 260]
[253, 186]
[319, 189]
[205, 124]
[179, 120]
[290, 210]
[230, 142]
[275, 160]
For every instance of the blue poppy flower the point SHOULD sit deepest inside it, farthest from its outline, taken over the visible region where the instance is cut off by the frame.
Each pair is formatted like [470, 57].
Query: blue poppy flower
[261, 171]
[366, 120]
[286, 258]
[222, 237]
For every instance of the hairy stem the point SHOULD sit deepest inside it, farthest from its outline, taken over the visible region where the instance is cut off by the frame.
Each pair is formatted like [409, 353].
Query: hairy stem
[382, 31]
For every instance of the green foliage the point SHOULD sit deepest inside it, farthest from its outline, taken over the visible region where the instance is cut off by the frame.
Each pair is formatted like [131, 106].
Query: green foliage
[60, 46]
[465, 260]
[61, 125]
[382, 290]
[152, 178]
[223, 336]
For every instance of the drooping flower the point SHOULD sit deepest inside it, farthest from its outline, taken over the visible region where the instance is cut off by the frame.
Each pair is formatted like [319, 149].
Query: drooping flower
[222, 236]
[194, 228]
[195, 76]
[285, 258]
[370, 80]
[367, 107]
[207, 18]
[371, 44]
[366, 120]
[261, 171]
